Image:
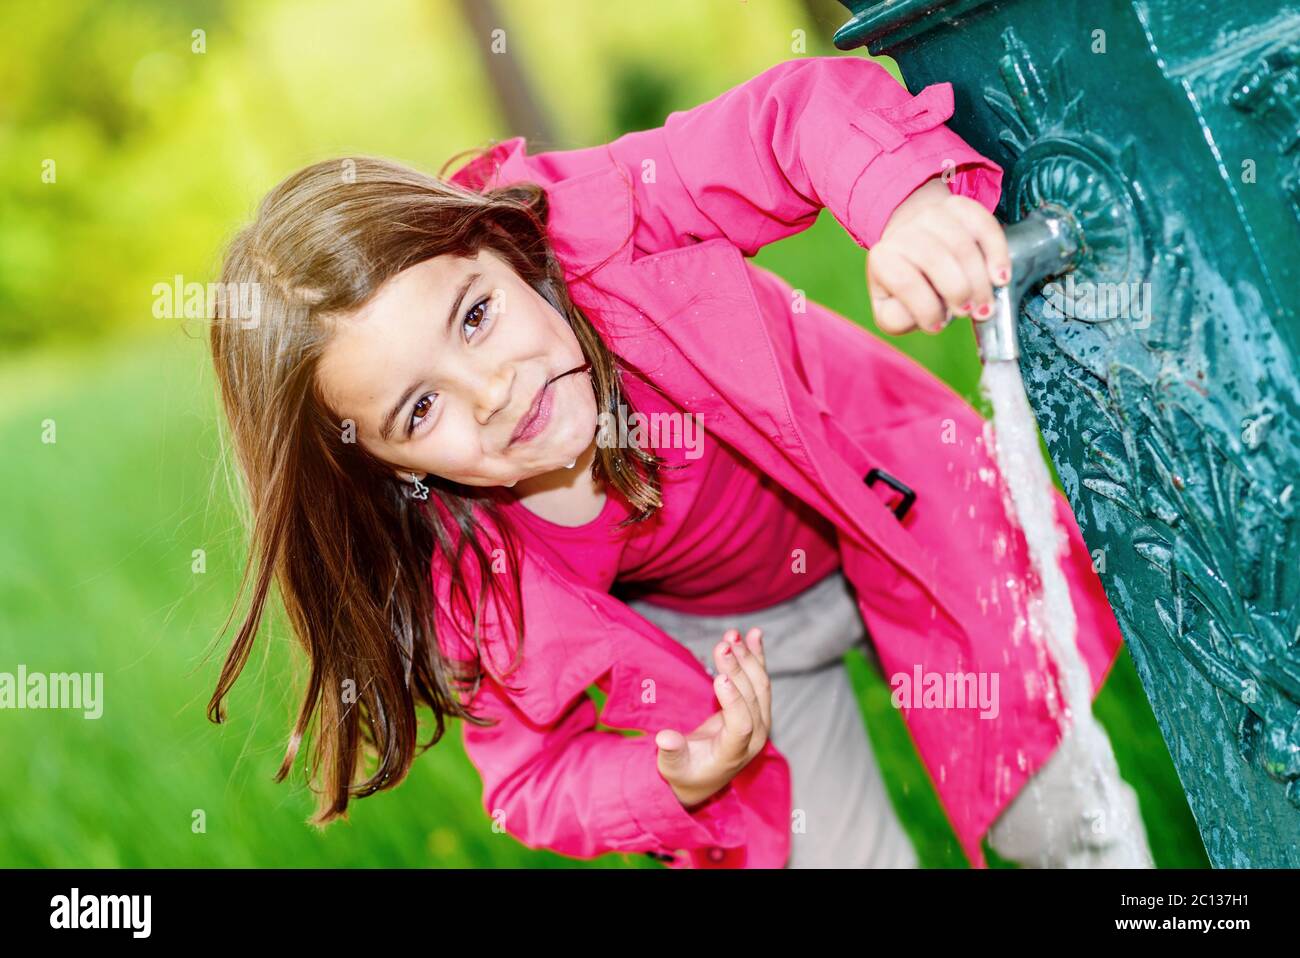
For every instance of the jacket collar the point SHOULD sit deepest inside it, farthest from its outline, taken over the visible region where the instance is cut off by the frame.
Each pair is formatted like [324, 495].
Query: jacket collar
[581, 240]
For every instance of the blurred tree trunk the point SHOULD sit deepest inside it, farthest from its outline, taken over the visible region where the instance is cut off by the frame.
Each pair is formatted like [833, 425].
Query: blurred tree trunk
[524, 115]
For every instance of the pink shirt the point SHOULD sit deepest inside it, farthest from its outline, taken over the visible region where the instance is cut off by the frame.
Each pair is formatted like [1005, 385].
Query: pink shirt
[727, 539]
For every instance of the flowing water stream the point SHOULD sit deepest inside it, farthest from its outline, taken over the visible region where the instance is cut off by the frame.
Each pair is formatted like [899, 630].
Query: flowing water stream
[1013, 435]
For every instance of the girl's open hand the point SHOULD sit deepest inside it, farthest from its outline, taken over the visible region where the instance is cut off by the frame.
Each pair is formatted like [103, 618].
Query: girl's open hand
[940, 256]
[699, 764]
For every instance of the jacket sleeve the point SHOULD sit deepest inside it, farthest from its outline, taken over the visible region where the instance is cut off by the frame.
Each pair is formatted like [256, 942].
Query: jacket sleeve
[564, 785]
[758, 162]
[582, 791]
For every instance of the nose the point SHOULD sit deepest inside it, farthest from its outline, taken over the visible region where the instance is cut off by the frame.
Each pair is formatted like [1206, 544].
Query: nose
[491, 391]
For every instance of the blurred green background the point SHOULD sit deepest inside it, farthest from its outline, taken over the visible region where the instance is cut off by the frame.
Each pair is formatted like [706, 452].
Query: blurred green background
[132, 147]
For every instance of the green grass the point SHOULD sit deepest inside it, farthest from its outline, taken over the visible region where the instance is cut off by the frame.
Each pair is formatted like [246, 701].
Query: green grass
[102, 528]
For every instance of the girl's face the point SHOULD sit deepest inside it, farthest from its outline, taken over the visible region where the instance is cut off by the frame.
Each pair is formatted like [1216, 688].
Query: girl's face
[449, 370]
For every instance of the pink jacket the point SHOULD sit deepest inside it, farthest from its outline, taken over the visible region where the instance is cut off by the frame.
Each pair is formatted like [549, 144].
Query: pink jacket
[660, 223]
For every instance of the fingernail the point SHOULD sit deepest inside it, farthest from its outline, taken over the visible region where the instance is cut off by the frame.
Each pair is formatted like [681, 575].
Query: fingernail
[1003, 275]
[966, 307]
[726, 650]
[984, 311]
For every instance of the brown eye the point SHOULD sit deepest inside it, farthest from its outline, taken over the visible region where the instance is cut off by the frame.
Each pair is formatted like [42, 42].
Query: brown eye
[477, 316]
[420, 410]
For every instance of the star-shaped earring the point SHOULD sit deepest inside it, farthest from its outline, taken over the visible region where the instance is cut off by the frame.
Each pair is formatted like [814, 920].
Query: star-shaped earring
[421, 491]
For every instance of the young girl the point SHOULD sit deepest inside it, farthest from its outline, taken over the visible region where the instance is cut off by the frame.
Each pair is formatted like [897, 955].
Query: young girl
[551, 391]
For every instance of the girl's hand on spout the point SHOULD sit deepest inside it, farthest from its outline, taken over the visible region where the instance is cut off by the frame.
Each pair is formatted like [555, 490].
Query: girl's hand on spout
[940, 256]
[699, 764]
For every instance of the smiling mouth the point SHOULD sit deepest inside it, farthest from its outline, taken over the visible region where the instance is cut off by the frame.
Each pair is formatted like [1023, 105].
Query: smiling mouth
[531, 414]
[536, 407]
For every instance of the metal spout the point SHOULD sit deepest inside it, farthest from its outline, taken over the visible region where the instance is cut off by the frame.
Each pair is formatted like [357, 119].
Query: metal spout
[1045, 243]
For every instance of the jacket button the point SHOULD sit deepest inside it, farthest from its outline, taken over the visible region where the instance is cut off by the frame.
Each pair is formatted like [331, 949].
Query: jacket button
[716, 854]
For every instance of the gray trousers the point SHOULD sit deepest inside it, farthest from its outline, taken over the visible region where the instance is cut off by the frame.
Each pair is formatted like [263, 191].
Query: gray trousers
[843, 816]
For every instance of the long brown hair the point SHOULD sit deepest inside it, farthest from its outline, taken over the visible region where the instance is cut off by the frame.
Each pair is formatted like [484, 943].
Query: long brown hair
[350, 551]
